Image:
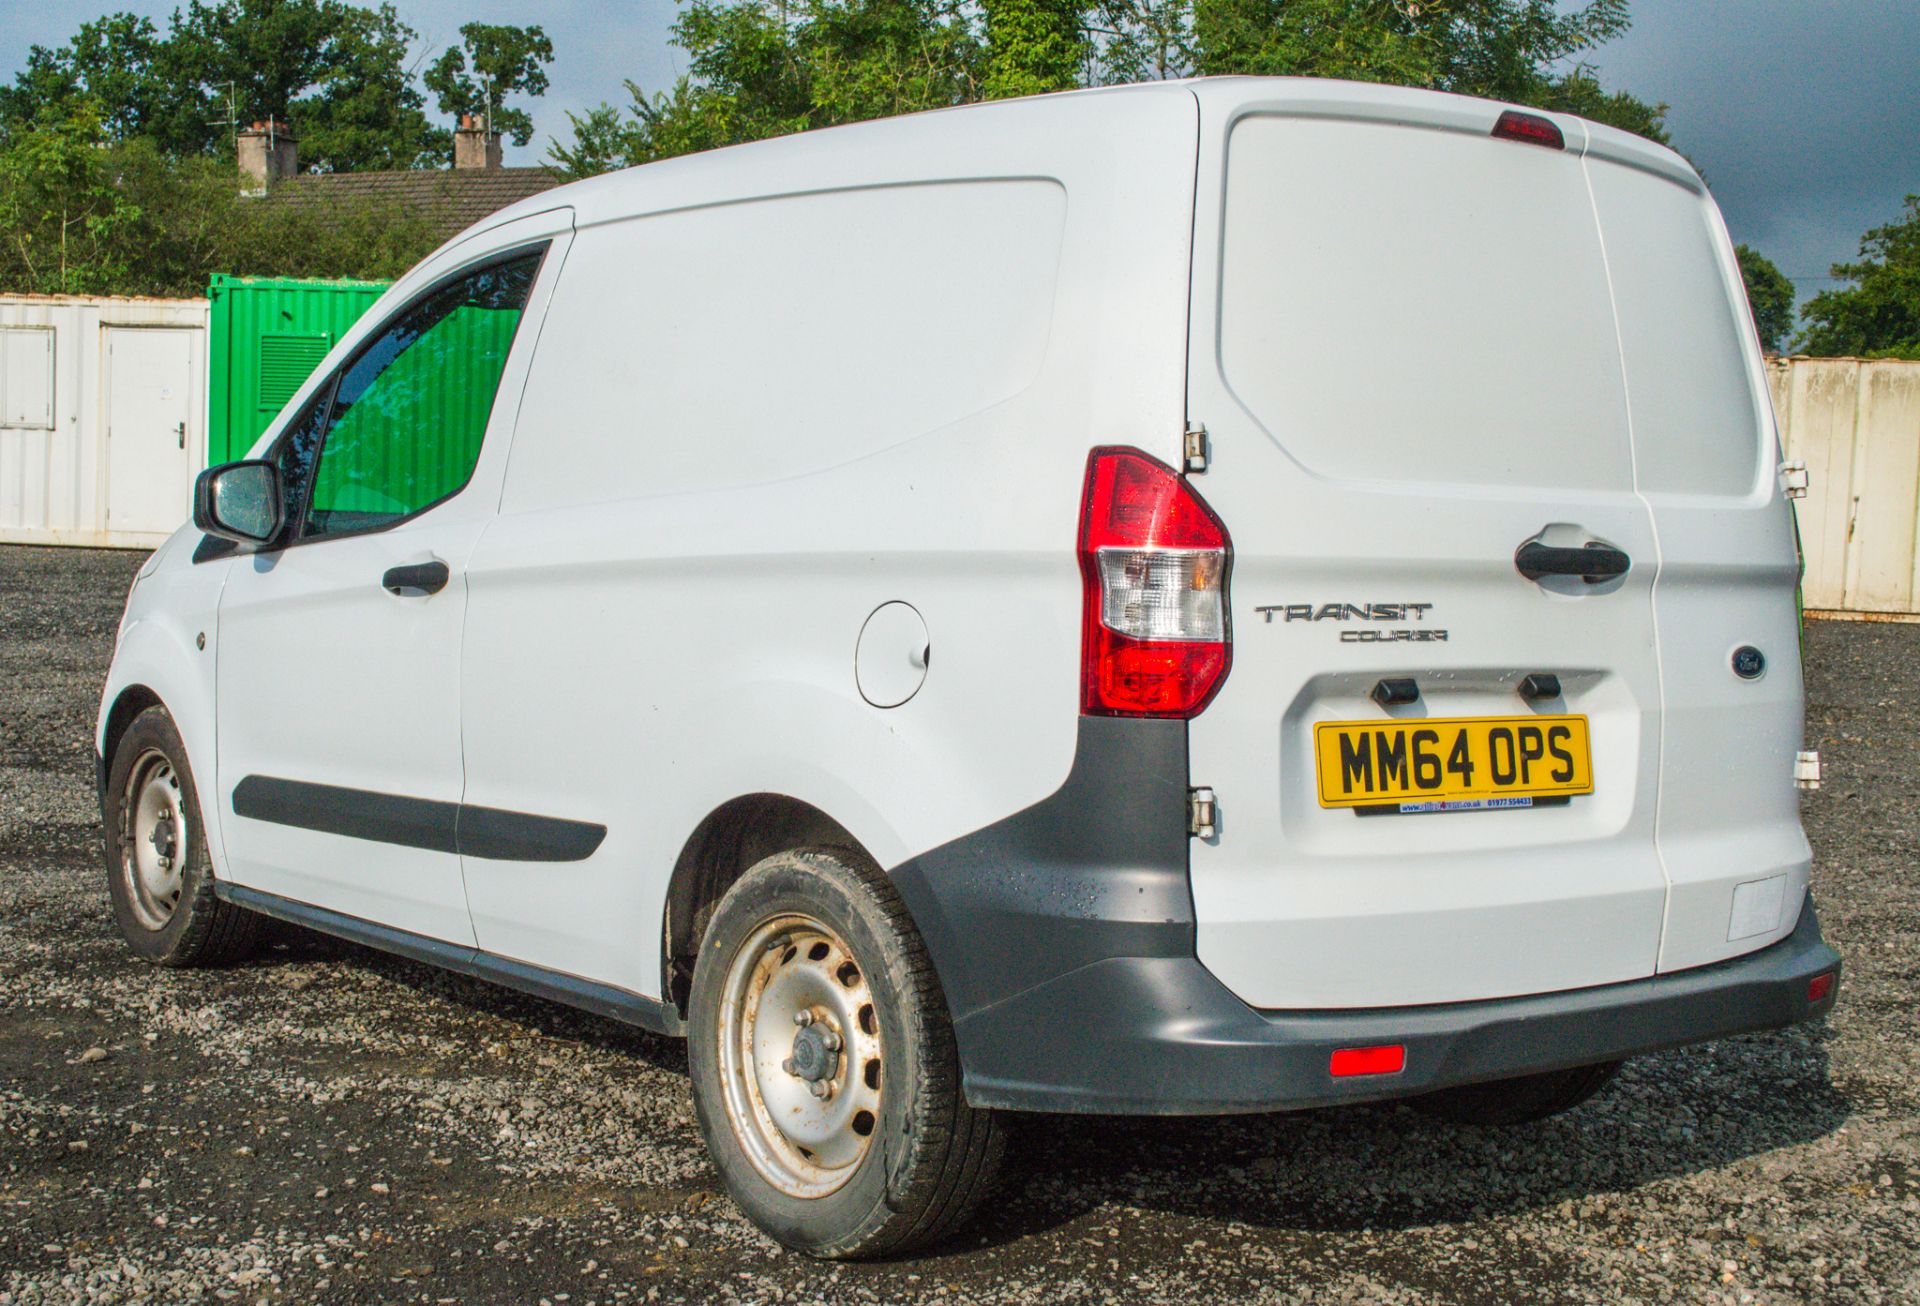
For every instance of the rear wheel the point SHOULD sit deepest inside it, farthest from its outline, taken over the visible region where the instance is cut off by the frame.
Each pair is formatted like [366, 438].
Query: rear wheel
[824, 1070]
[158, 873]
[1519, 1101]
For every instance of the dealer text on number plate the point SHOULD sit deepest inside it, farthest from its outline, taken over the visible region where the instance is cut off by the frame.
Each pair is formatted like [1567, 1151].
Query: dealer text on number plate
[1451, 759]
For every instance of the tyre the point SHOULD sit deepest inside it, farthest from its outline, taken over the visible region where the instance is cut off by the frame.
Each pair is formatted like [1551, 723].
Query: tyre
[158, 872]
[825, 1075]
[1519, 1101]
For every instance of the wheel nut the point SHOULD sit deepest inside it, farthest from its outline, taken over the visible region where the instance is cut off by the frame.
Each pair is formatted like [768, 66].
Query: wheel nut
[787, 1066]
[819, 1088]
[803, 1018]
[831, 1041]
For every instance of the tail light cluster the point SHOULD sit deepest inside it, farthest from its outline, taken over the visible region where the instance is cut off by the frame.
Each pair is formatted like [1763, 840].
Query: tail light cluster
[1154, 558]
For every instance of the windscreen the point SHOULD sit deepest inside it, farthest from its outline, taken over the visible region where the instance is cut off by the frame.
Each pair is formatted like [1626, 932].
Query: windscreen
[1409, 304]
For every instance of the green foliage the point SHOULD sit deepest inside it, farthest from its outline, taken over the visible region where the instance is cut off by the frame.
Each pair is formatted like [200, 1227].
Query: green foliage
[492, 62]
[64, 218]
[1769, 294]
[1878, 316]
[82, 214]
[108, 64]
[762, 68]
[1579, 92]
[336, 71]
[1367, 40]
[1032, 47]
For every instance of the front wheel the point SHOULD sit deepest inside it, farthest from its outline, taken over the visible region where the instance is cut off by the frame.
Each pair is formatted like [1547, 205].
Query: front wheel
[158, 873]
[825, 1075]
[1519, 1101]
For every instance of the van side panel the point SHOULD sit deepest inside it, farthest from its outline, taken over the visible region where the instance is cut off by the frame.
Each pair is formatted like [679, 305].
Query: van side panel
[777, 391]
[862, 318]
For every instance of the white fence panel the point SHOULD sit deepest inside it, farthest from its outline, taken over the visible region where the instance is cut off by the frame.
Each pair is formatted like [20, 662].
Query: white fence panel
[1856, 424]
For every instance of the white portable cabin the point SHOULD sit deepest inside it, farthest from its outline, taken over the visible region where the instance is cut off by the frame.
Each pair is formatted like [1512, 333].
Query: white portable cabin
[103, 418]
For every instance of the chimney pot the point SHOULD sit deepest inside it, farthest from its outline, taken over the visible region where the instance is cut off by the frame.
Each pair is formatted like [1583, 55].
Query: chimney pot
[266, 153]
[474, 147]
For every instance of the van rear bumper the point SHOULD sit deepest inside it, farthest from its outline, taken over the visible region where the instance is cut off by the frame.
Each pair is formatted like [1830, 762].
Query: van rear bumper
[1162, 1036]
[1064, 940]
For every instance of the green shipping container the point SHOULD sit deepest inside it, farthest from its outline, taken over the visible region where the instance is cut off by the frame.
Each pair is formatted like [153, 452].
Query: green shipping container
[268, 334]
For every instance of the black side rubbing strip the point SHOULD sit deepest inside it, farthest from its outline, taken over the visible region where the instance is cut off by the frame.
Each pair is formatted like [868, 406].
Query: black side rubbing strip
[416, 822]
[355, 813]
[523, 837]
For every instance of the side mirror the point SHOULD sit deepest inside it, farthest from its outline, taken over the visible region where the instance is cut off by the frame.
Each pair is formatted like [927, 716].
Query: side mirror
[239, 501]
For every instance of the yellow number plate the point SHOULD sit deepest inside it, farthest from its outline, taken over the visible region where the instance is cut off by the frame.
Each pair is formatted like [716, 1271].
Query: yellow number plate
[1451, 759]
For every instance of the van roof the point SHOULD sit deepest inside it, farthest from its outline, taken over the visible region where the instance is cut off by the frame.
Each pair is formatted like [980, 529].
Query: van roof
[949, 141]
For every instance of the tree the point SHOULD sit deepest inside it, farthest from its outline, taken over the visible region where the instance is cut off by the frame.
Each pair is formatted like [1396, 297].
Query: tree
[109, 62]
[759, 68]
[83, 214]
[335, 71]
[1769, 295]
[1878, 316]
[1032, 47]
[504, 61]
[62, 217]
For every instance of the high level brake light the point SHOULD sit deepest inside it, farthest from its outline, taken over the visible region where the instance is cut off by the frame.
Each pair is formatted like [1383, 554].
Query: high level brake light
[1154, 558]
[1530, 128]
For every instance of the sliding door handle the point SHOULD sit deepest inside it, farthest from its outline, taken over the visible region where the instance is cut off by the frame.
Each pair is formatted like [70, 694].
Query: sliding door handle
[419, 578]
[1595, 563]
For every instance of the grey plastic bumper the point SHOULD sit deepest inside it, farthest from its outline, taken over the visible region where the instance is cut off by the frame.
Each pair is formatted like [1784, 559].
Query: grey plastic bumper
[1162, 1036]
[1064, 939]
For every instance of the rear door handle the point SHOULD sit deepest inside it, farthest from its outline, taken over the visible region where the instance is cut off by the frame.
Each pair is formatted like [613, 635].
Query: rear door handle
[421, 577]
[1595, 563]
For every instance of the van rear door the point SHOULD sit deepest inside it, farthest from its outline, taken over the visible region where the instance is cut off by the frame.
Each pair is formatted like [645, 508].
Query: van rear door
[1705, 458]
[1405, 351]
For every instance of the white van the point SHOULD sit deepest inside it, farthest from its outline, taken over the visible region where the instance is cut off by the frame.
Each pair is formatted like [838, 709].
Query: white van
[1200, 597]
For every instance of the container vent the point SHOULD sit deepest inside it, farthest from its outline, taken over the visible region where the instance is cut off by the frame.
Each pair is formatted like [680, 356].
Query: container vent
[285, 362]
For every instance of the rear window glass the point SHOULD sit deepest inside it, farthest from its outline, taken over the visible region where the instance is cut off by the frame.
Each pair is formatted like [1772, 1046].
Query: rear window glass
[1696, 427]
[1419, 305]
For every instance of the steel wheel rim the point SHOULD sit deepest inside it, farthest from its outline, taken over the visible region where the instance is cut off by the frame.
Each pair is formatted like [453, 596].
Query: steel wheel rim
[153, 838]
[806, 1143]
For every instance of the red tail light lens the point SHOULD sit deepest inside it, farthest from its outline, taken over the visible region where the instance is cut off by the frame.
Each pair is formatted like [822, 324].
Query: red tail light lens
[1819, 987]
[1530, 128]
[1154, 559]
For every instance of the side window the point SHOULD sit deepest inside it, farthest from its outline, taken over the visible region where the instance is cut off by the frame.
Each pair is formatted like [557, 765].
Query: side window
[409, 412]
[296, 449]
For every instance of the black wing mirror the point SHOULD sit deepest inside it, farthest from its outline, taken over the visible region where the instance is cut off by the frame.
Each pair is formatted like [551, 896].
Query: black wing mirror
[239, 501]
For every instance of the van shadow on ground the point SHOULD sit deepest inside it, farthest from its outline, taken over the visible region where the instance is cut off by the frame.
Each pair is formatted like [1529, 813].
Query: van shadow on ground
[1387, 1167]
[1343, 1170]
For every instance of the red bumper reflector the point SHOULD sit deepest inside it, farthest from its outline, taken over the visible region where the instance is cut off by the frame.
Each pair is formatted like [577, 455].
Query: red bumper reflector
[1819, 987]
[1387, 1059]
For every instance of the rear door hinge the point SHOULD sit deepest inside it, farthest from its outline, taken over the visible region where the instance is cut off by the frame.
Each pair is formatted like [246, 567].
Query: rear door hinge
[1806, 769]
[1201, 812]
[1198, 449]
[1793, 479]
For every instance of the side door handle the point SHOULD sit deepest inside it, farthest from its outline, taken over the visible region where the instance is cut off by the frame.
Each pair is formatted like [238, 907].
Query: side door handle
[420, 577]
[1595, 563]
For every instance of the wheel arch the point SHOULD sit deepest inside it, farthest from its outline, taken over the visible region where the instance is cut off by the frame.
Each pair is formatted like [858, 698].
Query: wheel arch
[132, 700]
[728, 841]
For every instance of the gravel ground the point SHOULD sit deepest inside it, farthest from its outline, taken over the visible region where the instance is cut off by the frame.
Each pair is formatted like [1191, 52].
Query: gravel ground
[328, 1123]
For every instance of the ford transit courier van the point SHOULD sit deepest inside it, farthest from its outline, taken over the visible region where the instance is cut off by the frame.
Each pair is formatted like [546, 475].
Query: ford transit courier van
[1201, 597]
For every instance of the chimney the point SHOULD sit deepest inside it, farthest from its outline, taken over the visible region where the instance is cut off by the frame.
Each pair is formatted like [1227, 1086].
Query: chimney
[266, 154]
[474, 146]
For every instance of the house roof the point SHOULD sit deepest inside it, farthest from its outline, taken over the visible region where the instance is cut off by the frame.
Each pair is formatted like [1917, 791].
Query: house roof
[452, 200]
